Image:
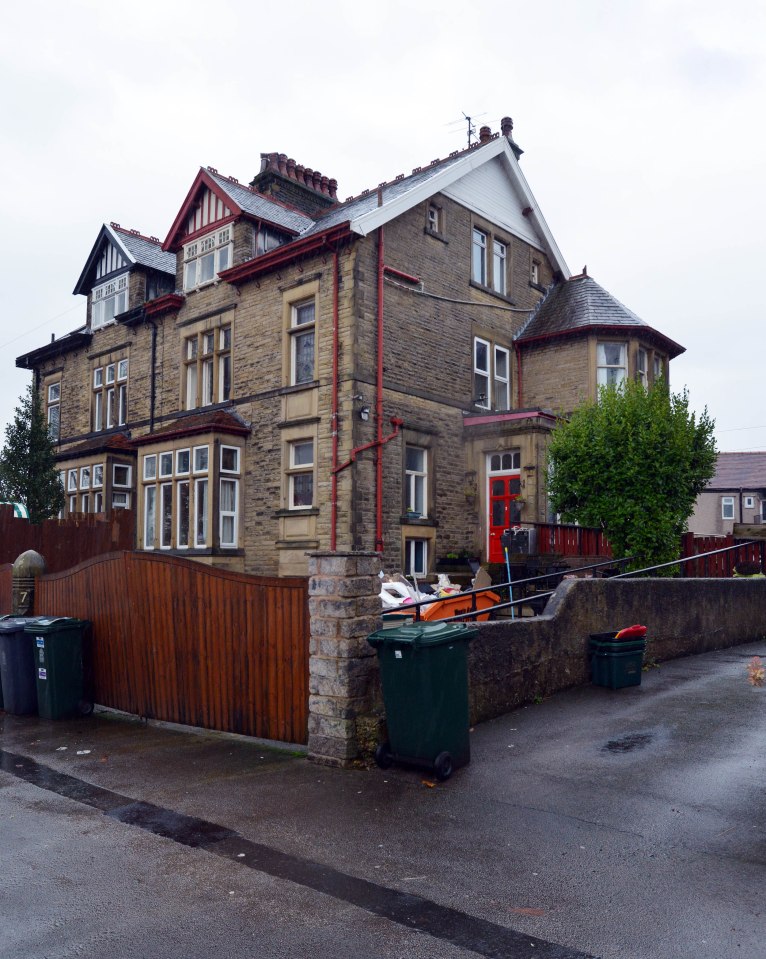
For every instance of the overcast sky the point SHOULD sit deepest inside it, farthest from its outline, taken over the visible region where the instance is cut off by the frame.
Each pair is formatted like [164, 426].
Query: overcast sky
[642, 123]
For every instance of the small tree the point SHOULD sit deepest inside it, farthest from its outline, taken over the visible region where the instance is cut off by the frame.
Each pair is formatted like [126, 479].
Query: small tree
[633, 463]
[28, 471]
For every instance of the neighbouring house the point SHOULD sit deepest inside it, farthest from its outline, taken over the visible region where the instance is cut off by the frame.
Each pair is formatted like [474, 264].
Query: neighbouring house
[290, 372]
[735, 495]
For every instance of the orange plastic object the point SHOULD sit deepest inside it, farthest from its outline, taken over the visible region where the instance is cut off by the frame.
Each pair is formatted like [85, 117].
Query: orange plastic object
[460, 603]
[631, 632]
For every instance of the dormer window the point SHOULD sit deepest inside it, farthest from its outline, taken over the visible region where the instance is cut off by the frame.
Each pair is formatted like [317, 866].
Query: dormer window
[206, 257]
[267, 239]
[108, 300]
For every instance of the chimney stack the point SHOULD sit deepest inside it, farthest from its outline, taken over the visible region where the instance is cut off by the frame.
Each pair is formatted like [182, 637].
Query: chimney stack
[300, 186]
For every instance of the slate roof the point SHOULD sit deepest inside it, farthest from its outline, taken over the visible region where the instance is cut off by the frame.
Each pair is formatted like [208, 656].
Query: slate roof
[110, 443]
[580, 304]
[210, 421]
[365, 203]
[262, 207]
[146, 251]
[735, 471]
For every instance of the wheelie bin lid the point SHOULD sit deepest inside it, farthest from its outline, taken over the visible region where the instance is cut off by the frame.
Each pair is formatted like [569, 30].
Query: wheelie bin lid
[422, 634]
[49, 624]
[15, 624]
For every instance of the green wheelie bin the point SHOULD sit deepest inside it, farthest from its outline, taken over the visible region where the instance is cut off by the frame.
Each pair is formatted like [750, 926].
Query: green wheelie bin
[424, 674]
[61, 684]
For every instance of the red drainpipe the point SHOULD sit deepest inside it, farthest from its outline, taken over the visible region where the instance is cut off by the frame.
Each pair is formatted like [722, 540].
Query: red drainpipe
[334, 479]
[379, 404]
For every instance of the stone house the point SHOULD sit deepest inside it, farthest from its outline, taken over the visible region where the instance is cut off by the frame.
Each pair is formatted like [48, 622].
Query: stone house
[736, 495]
[287, 372]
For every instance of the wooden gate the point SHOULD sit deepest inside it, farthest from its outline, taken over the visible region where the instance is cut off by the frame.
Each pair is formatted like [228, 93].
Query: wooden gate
[176, 640]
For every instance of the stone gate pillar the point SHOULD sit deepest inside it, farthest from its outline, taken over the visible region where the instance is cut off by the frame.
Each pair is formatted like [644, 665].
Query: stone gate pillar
[26, 569]
[344, 607]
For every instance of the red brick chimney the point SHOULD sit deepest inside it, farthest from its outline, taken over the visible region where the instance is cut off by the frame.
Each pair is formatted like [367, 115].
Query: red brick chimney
[284, 179]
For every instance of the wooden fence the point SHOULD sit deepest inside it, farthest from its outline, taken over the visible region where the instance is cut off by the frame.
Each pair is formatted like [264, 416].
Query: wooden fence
[721, 564]
[176, 640]
[571, 540]
[67, 542]
[6, 589]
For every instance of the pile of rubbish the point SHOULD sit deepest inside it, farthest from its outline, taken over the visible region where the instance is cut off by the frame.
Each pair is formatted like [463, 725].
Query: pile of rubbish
[396, 591]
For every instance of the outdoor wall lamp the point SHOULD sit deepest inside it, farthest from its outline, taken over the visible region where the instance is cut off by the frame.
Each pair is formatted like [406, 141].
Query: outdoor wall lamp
[364, 413]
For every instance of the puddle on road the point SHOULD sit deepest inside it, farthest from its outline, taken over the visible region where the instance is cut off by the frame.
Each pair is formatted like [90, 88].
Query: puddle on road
[629, 743]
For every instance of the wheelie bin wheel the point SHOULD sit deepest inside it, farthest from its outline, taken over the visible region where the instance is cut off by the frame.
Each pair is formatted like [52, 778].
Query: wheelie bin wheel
[84, 707]
[383, 756]
[443, 766]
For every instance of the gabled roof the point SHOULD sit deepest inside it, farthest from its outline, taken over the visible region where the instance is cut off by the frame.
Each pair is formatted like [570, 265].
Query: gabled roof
[134, 248]
[735, 471]
[580, 305]
[377, 207]
[241, 200]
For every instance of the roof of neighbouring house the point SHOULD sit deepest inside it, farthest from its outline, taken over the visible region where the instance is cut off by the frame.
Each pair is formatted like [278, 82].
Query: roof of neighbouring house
[581, 305]
[109, 443]
[191, 424]
[135, 248]
[735, 471]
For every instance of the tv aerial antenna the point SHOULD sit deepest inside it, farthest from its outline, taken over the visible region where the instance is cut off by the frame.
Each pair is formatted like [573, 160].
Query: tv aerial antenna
[471, 131]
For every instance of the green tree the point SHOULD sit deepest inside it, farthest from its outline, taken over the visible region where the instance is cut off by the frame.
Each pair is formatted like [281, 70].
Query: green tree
[28, 471]
[632, 463]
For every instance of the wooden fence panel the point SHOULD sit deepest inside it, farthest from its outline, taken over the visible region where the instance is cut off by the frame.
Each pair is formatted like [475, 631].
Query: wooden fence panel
[176, 640]
[6, 589]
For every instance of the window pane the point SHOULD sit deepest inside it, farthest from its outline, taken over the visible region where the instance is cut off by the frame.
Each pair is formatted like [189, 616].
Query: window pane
[498, 267]
[122, 403]
[98, 475]
[191, 386]
[481, 356]
[183, 513]
[303, 313]
[230, 459]
[150, 467]
[200, 496]
[150, 518]
[224, 378]
[182, 461]
[122, 370]
[190, 276]
[200, 459]
[479, 257]
[223, 259]
[121, 475]
[166, 464]
[303, 347]
[207, 382]
[481, 389]
[166, 530]
[303, 489]
[85, 477]
[303, 453]
[206, 267]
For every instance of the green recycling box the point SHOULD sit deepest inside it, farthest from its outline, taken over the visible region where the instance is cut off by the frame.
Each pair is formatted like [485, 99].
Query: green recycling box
[58, 651]
[424, 673]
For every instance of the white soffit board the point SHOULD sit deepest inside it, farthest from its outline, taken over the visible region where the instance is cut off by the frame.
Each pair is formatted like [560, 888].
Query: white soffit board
[489, 192]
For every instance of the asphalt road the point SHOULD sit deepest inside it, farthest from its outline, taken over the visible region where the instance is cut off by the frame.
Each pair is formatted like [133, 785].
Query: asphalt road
[618, 824]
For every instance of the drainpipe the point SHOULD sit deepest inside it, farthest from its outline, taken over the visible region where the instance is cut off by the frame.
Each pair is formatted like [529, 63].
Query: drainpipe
[152, 386]
[334, 476]
[379, 405]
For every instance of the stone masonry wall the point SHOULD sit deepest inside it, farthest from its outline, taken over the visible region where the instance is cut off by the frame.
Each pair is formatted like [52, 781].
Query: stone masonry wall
[344, 609]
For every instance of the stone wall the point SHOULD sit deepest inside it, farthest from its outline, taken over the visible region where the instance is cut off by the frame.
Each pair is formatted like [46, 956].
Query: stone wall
[511, 662]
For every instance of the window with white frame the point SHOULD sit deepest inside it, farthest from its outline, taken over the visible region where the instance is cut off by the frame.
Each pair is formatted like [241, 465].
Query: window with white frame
[534, 273]
[206, 257]
[109, 406]
[749, 502]
[108, 300]
[179, 507]
[727, 507]
[659, 367]
[302, 341]
[642, 369]
[499, 275]
[53, 412]
[300, 474]
[415, 557]
[416, 480]
[207, 365]
[491, 375]
[610, 364]
[435, 219]
[84, 486]
[479, 257]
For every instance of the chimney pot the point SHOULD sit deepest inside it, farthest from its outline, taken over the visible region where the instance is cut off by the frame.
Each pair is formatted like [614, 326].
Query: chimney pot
[324, 185]
[317, 180]
[506, 126]
[282, 163]
[308, 176]
[299, 171]
[291, 168]
[485, 134]
[333, 185]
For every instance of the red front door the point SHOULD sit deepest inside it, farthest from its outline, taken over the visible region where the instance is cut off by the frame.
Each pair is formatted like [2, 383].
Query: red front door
[503, 512]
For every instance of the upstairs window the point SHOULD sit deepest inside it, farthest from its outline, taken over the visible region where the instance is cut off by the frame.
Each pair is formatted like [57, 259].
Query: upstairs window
[302, 341]
[267, 239]
[109, 407]
[206, 257]
[658, 367]
[727, 507]
[499, 250]
[108, 300]
[491, 375]
[479, 257]
[534, 273]
[300, 474]
[53, 412]
[610, 359]
[416, 480]
[642, 368]
[207, 360]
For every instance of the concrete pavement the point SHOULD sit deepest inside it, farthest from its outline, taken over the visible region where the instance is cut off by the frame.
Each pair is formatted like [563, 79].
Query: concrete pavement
[620, 824]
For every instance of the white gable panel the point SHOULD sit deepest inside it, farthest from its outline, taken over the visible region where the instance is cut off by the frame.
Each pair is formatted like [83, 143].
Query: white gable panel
[489, 191]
